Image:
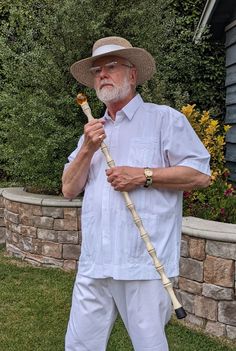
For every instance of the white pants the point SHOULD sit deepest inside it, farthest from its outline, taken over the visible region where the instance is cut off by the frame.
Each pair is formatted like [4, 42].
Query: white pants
[144, 306]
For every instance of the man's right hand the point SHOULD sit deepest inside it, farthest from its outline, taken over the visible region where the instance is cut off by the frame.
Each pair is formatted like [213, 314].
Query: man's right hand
[94, 134]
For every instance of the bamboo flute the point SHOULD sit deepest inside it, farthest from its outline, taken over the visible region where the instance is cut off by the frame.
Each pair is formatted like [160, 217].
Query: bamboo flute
[179, 310]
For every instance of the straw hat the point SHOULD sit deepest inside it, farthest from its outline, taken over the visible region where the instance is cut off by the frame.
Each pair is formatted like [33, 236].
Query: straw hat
[115, 46]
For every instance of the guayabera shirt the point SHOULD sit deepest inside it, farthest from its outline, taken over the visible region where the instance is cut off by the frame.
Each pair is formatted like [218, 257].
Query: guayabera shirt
[143, 135]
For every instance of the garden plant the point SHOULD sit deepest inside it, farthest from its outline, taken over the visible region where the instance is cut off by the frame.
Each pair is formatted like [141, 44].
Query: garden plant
[218, 201]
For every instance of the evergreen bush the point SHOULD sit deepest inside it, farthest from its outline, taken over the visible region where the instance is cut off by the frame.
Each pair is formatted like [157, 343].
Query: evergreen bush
[39, 39]
[40, 122]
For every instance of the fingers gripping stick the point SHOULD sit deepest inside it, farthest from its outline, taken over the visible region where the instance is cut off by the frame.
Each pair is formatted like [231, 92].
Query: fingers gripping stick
[82, 101]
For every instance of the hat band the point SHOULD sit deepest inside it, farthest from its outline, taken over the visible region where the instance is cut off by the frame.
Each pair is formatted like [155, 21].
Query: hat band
[106, 48]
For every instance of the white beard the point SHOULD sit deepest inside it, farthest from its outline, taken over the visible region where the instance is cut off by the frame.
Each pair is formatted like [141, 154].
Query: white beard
[114, 93]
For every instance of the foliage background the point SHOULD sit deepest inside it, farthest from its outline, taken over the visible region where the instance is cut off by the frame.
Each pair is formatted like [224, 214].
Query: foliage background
[218, 201]
[39, 122]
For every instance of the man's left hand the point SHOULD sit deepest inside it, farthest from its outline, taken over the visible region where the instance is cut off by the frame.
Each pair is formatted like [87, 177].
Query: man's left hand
[125, 178]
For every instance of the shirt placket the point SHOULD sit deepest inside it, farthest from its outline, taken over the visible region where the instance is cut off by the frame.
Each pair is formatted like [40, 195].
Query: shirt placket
[108, 203]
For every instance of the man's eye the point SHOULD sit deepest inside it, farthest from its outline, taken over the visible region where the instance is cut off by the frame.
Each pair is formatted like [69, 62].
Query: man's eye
[97, 70]
[111, 65]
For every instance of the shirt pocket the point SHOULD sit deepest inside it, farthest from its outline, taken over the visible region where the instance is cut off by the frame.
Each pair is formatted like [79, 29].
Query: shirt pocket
[135, 244]
[143, 152]
[159, 228]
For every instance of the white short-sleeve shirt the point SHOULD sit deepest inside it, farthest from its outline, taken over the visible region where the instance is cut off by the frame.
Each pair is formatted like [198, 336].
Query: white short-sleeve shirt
[143, 135]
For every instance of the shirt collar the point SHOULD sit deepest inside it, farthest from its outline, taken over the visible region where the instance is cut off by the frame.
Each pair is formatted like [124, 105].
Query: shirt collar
[129, 109]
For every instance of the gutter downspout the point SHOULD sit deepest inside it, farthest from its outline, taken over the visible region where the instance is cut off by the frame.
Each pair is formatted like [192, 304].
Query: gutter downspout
[205, 18]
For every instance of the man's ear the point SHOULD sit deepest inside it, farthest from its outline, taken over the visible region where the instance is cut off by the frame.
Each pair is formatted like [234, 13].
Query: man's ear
[133, 76]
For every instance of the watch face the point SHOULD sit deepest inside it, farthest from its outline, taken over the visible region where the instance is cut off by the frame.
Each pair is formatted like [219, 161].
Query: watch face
[148, 172]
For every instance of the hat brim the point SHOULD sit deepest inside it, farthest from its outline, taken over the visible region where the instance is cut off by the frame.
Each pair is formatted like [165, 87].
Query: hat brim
[140, 58]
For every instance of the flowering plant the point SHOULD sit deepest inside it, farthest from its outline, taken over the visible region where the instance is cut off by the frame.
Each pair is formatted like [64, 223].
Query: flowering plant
[218, 201]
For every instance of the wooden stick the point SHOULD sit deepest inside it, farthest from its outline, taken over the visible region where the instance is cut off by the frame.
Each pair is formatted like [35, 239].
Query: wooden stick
[179, 310]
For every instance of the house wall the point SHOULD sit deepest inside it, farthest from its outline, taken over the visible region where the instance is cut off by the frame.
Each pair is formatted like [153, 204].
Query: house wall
[222, 14]
[230, 84]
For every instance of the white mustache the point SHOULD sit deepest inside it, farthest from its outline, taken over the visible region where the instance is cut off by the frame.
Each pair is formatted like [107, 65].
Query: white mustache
[104, 82]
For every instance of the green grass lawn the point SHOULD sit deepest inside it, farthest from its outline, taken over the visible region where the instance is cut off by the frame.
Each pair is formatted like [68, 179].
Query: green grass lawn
[34, 309]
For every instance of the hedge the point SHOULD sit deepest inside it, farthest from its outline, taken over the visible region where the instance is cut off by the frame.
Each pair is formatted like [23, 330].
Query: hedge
[40, 123]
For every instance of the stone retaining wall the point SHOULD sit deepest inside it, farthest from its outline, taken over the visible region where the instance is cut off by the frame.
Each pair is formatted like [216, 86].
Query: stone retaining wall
[45, 230]
[207, 282]
[2, 223]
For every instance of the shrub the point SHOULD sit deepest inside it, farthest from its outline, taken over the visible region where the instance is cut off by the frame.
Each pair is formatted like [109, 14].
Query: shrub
[40, 122]
[218, 201]
[39, 40]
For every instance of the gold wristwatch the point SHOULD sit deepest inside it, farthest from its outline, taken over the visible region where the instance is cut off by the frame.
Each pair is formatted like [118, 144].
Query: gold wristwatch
[148, 174]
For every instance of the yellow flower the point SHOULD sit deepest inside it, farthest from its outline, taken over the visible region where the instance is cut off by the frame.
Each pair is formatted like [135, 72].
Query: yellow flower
[204, 117]
[212, 134]
[220, 140]
[188, 110]
[214, 176]
[226, 128]
[214, 123]
[213, 127]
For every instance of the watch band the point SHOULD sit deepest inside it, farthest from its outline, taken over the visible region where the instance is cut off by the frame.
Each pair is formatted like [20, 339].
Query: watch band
[148, 174]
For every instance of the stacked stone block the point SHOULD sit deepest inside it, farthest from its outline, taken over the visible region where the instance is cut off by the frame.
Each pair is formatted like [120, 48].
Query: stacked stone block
[206, 285]
[2, 223]
[43, 235]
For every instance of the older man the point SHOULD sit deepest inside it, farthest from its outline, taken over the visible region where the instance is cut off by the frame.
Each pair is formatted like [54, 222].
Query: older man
[157, 156]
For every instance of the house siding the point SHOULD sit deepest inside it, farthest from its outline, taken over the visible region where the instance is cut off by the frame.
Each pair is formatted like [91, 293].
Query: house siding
[230, 84]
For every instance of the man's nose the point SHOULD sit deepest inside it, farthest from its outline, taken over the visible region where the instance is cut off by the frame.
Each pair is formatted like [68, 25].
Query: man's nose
[103, 72]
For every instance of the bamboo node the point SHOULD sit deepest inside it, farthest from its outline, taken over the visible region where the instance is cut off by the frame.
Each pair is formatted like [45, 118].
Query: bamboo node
[159, 268]
[137, 220]
[152, 250]
[110, 163]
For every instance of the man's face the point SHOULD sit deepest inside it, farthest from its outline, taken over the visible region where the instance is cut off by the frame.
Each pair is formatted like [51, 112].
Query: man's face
[114, 78]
